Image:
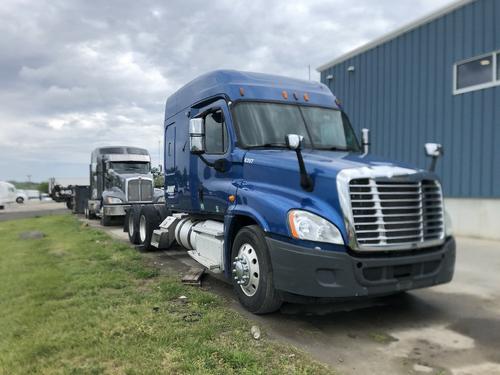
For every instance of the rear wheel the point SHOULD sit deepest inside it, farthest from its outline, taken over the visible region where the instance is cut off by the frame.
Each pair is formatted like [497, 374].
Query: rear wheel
[252, 272]
[20, 200]
[149, 220]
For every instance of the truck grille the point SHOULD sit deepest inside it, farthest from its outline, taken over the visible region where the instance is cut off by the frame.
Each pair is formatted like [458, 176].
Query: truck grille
[140, 190]
[389, 213]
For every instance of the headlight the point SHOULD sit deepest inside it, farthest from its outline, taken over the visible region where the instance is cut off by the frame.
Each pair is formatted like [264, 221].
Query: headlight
[447, 224]
[113, 200]
[307, 226]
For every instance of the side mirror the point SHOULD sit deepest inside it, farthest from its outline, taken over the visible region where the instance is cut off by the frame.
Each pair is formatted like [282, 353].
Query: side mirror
[294, 141]
[433, 149]
[197, 136]
[365, 140]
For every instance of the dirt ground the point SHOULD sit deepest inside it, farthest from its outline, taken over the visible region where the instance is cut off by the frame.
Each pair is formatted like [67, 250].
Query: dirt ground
[448, 329]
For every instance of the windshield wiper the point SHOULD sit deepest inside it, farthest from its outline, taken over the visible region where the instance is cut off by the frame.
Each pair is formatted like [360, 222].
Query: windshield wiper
[269, 145]
[336, 148]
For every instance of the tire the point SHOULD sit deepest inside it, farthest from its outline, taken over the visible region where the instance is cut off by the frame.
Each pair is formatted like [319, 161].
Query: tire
[258, 295]
[149, 220]
[132, 224]
[20, 200]
[69, 205]
[105, 220]
[86, 213]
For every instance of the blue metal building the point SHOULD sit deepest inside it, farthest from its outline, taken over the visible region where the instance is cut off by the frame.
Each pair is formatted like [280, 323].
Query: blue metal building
[435, 80]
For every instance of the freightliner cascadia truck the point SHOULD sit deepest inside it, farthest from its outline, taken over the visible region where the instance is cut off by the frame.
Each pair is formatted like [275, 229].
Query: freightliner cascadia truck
[119, 176]
[267, 183]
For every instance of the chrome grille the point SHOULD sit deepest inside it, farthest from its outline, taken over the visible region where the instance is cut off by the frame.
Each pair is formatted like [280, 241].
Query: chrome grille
[139, 190]
[389, 213]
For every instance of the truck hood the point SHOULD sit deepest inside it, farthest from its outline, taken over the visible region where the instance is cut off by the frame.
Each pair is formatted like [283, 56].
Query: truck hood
[321, 162]
[271, 182]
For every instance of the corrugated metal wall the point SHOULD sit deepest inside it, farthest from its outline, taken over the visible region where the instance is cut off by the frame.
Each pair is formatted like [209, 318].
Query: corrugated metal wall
[402, 90]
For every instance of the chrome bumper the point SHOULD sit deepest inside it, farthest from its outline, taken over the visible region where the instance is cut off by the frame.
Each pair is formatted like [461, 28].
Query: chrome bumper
[115, 210]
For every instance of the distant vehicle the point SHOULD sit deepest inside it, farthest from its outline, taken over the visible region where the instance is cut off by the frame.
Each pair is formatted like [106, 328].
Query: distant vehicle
[62, 189]
[21, 196]
[119, 175]
[32, 194]
[44, 197]
[7, 194]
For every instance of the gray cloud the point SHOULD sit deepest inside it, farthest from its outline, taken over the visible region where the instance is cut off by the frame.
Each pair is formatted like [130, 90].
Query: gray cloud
[79, 74]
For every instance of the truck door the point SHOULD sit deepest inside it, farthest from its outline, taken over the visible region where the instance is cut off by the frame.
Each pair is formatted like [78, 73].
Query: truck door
[214, 187]
[171, 188]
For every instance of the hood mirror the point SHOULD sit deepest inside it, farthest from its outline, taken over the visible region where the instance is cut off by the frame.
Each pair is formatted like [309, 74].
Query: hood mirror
[435, 151]
[197, 136]
[294, 142]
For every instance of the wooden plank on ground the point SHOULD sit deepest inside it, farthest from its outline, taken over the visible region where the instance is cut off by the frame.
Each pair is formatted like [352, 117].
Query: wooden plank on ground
[193, 276]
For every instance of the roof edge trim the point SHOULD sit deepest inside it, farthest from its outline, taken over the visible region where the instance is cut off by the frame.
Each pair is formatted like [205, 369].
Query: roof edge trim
[396, 33]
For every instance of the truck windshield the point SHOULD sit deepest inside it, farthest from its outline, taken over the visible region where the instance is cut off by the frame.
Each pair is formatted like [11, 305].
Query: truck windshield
[130, 167]
[267, 124]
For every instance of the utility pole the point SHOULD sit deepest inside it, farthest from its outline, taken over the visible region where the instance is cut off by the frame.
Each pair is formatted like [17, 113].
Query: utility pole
[309, 70]
[159, 152]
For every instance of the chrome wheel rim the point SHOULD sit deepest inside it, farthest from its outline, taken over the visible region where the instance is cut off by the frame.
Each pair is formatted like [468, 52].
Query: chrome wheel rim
[246, 270]
[142, 228]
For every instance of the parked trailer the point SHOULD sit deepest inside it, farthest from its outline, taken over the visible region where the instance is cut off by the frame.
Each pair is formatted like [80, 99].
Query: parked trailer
[266, 182]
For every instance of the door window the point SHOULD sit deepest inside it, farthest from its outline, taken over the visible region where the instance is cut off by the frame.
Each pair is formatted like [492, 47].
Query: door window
[216, 141]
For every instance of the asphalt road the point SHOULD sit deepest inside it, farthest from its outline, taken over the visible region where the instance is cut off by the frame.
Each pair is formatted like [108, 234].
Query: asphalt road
[448, 329]
[32, 209]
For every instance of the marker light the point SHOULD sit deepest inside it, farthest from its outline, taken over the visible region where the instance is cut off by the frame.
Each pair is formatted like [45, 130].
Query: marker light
[242, 92]
[305, 225]
[284, 94]
[306, 97]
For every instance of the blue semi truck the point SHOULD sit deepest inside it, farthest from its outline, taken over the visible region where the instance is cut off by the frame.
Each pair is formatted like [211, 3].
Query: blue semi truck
[267, 183]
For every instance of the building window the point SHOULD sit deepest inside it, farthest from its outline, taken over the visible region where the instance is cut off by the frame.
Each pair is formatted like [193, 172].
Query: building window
[476, 73]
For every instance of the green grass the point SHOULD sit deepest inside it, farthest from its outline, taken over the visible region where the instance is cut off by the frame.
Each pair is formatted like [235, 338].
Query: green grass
[78, 302]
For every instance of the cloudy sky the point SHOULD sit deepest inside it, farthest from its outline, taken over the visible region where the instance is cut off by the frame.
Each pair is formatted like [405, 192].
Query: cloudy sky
[77, 74]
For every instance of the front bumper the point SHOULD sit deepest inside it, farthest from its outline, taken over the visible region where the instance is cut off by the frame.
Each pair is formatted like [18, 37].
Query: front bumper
[308, 272]
[115, 210]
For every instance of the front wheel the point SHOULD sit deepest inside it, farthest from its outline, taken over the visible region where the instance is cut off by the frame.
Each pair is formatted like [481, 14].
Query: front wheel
[132, 223]
[20, 200]
[105, 220]
[149, 220]
[252, 272]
